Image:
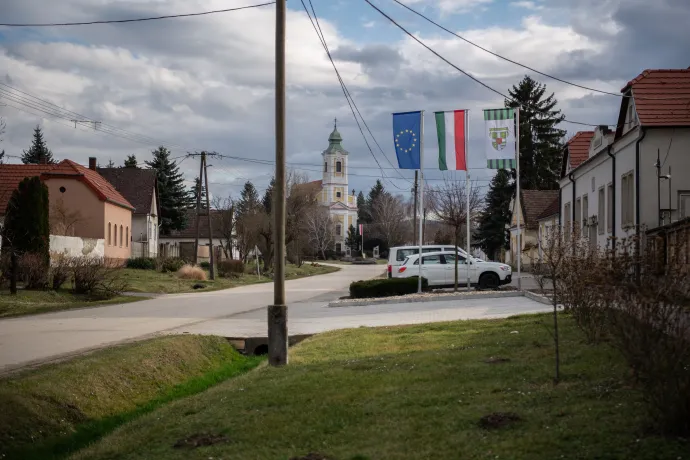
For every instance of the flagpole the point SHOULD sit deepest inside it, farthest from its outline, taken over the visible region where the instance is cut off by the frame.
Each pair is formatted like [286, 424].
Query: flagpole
[421, 201]
[468, 260]
[517, 195]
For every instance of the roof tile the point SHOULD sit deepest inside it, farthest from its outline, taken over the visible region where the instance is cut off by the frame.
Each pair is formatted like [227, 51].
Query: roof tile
[662, 97]
[10, 177]
[578, 148]
[135, 184]
[534, 203]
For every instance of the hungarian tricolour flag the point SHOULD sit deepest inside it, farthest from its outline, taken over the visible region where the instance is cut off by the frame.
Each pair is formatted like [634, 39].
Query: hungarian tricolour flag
[450, 128]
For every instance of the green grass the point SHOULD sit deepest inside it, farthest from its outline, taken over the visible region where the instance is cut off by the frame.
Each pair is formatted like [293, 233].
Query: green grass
[33, 302]
[413, 393]
[150, 281]
[59, 408]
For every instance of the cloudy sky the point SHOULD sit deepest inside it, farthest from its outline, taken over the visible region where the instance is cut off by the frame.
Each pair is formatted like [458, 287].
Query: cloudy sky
[206, 83]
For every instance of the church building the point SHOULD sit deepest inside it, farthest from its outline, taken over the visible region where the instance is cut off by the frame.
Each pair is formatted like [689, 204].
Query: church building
[341, 202]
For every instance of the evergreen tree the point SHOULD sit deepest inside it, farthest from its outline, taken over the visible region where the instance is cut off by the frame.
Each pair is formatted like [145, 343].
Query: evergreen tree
[374, 194]
[362, 210]
[493, 235]
[194, 192]
[248, 202]
[38, 152]
[353, 239]
[171, 191]
[131, 161]
[267, 200]
[27, 228]
[541, 142]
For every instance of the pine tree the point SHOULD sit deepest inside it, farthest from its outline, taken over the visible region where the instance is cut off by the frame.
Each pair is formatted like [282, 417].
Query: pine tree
[267, 200]
[496, 215]
[362, 210]
[541, 142]
[367, 216]
[171, 191]
[131, 161]
[353, 239]
[38, 152]
[248, 202]
[193, 192]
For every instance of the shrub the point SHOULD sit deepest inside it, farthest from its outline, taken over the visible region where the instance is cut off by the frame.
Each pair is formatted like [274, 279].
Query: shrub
[230, 268]
[34, 270]
[142, 263]
[59, 270]
[96, 277]
[191, 272]
[171, 264]
[385, 287]
[205, 265]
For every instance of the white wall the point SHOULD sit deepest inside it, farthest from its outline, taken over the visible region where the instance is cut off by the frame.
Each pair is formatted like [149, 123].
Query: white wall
[74, 246]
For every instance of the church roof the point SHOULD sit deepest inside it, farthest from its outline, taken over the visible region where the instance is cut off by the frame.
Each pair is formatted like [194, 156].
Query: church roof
[335, 143]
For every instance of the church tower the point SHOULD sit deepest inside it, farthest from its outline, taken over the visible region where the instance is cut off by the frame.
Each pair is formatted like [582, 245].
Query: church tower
[341, 202]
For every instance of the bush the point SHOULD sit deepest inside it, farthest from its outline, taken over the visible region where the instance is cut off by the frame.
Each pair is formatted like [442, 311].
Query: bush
[33, 269]
[142, 263]
[59, 270]
[230, 268]
[205, 265]
[171, 264]
[385, 287]
[96, 277]
[191, 272]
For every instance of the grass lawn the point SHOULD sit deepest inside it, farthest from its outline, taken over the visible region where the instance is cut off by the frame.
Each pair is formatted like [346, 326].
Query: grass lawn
[168, 283]
[414, 392]
[32, 302]
[60, 407]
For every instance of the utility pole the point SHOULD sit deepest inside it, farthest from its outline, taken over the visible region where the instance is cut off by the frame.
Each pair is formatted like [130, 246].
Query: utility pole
[277, 313]
[198, 208]
[211, 256]
[414, 223]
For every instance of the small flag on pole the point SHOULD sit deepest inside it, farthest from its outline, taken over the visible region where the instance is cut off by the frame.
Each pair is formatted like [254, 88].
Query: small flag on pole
[361, 229]
[500, 138]
[407, 138]
[450, 128]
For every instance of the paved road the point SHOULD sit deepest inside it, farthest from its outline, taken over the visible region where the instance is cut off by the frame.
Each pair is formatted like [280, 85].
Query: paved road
[28, 340]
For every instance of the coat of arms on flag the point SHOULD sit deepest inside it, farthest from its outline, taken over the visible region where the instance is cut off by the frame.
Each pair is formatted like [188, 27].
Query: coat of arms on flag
[498, 137]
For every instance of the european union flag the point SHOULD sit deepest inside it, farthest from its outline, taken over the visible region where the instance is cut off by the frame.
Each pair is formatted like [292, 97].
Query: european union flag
[407, 137]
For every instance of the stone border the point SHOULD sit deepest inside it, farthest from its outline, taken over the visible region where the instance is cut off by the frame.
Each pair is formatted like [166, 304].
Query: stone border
[537, 298]
[433, 298]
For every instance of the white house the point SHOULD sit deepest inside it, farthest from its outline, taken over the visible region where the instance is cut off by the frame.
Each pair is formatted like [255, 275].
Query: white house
[619, 187]
[533, 204]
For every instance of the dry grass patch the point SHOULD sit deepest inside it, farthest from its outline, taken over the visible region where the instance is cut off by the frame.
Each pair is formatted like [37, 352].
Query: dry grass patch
[191, 272]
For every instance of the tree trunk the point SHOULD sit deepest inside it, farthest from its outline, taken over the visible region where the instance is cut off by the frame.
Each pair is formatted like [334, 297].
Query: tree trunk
[457, 237]
[14, 269]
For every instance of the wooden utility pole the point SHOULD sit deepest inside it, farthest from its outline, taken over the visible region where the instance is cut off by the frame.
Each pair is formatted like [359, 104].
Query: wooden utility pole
[277, 313]
[198, 211]
[414, 223]
[211, 256]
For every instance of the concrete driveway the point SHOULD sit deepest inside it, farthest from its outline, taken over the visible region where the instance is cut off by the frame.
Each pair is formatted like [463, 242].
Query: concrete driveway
[33, 339]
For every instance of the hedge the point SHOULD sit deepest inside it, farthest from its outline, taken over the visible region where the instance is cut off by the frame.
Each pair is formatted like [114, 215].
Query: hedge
[142, 263]
[385, 287]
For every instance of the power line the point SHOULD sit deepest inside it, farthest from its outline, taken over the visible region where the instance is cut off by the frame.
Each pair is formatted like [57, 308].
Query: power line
[467, 74]
[121, 21]
[348, 97]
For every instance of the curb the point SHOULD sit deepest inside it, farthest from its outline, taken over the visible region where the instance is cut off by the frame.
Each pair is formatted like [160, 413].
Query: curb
[537, 297]
[470, 296]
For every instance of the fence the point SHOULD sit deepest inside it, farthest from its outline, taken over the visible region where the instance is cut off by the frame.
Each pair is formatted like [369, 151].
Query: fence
[75, 246]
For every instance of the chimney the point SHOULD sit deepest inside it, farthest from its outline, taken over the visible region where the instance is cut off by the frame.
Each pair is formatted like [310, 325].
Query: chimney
[92, 163]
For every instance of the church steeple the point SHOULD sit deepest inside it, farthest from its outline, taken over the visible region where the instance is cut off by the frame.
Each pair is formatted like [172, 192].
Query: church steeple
[335, 141]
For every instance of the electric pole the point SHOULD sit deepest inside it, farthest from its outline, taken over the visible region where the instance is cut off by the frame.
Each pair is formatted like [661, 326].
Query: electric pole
[198, 208]
[211, 255]
[414, 223]
[277, 313]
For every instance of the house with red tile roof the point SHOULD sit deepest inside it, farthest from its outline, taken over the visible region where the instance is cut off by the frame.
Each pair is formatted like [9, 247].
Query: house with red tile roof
[633, 175]
[533, 204]
[82, 203]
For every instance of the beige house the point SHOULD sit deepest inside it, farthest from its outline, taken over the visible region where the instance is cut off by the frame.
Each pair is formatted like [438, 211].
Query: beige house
[82, 203]
[532, 203]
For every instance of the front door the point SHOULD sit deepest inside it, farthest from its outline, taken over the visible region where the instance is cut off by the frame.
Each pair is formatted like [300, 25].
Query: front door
[433, 269]
[462, 270]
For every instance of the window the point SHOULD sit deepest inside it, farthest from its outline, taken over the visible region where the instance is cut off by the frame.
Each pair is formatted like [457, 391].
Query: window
[338, 166]
[566, 219]
[578, 214]
[338, 194]
[684, 204]
[593, 184]
[121, 235]
[585, 210]
[127, 236]
[338, 230]
[115, 235]
[610, 208]
[602, 210]
[110, 238]
[63, 189]
[431, 260]
[325, 167]
[627, 200]
[450, 259]
[338, 248]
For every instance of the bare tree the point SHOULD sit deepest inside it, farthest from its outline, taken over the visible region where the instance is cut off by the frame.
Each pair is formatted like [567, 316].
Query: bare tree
[448, 203]
[226, 223]
[391, 216]
[62, 220]
[320, 229]
[301, 201]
